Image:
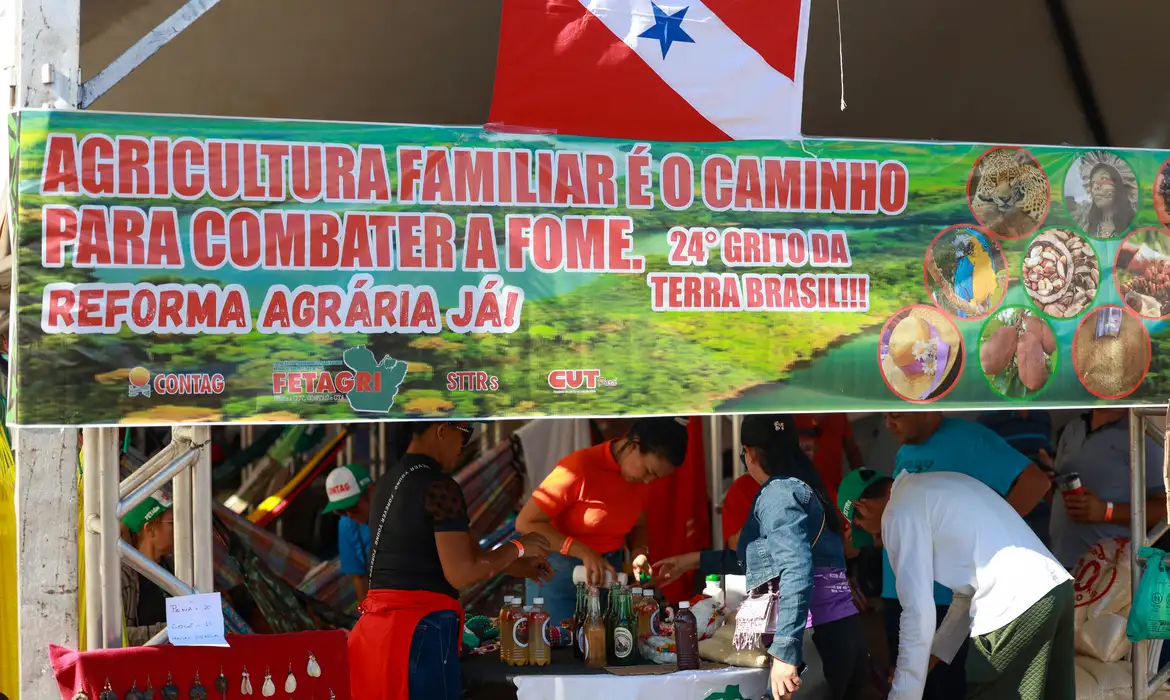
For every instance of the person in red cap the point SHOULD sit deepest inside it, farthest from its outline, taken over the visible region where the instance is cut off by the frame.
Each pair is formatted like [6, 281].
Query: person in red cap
[422, 554]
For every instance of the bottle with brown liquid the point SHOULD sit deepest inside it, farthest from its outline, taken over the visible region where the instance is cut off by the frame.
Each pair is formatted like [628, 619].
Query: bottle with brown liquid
[624, 640]
[506, 630]
[615, 593]
[520, 633]
[579, 623]
[594, 632]
[686, 638]
[539, 645]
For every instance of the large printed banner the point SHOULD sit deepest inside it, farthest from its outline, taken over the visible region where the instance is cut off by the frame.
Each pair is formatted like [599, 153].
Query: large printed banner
[182, 269]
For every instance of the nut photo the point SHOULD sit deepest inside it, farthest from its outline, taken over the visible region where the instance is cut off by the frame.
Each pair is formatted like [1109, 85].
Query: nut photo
[1060, 273]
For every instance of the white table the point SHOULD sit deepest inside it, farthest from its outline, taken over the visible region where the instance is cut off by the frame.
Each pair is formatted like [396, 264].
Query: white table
[721, 684]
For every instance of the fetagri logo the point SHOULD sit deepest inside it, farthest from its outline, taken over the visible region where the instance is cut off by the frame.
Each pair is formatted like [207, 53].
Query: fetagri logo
[578, 381]
[369, 385]
[143, 383]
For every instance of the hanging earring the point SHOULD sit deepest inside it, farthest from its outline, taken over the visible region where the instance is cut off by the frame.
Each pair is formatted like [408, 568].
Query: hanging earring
[290, 683]
[198, 692]
[149, 693]
[170, 691]
[245, 683]
[314, 669]
[81, 695]
[221, 683]
[133, 693]
[269, 688]
[107, 692]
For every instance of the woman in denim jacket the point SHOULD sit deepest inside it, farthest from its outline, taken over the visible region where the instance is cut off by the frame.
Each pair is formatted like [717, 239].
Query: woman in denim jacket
[791, 546]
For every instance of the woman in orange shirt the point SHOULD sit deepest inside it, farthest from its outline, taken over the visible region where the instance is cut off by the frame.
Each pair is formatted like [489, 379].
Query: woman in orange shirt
[590, 507]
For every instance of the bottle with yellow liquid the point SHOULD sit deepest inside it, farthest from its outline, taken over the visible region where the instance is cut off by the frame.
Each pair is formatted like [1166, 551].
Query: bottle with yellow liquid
[520, 633]
[594, 632]
[506, 631]
[539, 645]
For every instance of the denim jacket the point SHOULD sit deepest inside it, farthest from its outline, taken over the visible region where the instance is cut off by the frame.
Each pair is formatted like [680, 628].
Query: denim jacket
[777, 542]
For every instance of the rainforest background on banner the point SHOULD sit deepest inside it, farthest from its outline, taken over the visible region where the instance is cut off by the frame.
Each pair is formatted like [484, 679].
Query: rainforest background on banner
[659, 363]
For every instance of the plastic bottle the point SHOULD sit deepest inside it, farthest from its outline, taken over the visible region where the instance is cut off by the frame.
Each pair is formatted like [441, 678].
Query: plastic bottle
[686, 638]
[520, 633]
[579, 623]
[594, 632]
[539, 647]
[506, 630]
[647, 612]
[625, 632]
[714, 589]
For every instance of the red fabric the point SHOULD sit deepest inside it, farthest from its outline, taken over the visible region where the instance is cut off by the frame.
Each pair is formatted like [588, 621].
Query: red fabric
[677, 512]
[257, 653]
[737, 505]
[826, 451]
[560, 69]
[379, 646]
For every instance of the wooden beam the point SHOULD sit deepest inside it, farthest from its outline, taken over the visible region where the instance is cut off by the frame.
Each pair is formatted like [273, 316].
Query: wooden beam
[146, 47]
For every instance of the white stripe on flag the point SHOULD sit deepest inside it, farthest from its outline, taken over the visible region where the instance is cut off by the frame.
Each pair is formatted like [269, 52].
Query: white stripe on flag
[720, 75]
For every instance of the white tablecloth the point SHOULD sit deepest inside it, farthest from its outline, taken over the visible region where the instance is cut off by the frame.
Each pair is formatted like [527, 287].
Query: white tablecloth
[723, 684]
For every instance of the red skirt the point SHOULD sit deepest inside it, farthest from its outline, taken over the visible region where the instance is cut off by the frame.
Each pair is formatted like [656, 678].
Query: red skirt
[379, 646]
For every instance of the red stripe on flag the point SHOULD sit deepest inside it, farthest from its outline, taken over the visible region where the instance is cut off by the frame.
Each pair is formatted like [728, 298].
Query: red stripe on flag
[771, 27]
[559, 68]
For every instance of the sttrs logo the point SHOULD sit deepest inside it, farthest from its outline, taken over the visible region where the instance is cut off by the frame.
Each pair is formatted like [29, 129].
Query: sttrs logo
[472, 381]
[578, 381]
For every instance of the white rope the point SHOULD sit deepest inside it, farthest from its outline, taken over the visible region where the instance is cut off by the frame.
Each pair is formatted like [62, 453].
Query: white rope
[841, 54]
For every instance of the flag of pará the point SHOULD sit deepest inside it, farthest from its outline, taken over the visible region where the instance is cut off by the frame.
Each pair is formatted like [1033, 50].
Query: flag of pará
[668, 70]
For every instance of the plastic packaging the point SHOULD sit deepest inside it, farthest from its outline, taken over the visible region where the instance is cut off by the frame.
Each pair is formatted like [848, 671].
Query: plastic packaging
[714, 589]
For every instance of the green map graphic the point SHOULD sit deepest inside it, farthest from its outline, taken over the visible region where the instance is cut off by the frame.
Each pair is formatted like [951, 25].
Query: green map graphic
[393, 371]
[731, 692]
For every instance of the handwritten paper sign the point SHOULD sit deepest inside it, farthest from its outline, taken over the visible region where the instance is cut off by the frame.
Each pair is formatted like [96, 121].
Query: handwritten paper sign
[196, 620]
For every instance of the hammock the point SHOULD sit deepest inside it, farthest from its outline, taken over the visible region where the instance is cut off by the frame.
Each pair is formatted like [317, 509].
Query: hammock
[274, 505]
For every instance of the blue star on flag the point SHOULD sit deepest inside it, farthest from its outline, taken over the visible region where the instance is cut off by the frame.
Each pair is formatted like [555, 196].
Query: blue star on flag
[667, 28]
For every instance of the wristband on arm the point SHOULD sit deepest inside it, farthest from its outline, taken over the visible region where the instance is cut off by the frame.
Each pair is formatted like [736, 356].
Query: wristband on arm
[519, 547]
[565, 547]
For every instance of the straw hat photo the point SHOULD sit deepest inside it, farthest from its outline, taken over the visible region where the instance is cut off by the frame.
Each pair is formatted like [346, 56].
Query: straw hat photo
[919, 350]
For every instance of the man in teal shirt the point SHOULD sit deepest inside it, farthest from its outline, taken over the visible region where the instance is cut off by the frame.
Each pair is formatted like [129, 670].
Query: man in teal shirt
[930, 442]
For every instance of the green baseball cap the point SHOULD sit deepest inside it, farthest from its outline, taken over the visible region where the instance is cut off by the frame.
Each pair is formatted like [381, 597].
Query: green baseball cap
[346, 486]
[155, 505]
[849, 492]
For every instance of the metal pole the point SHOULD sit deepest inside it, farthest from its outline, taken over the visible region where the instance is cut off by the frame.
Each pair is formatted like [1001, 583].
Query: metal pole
[1137, 536]
[184, 554]
[137, 560]
[204, 553]
[152, 467]
[91, 496]
[737, 466]
[106, 448]
[160, 479]
[715, 477]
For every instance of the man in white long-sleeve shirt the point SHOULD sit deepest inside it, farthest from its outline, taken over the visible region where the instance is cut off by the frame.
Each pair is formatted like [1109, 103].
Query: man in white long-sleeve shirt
[1012, 597]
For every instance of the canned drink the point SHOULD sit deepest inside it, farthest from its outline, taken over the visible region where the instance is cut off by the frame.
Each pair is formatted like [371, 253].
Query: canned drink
[1071, 484]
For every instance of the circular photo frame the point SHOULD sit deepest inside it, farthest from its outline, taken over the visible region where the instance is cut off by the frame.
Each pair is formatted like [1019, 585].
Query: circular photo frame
[1141, 272]
[1161, 195]
[1101, 193]
[1018, 353]
[1008, 192]
[1111, 352]
[920, 354]
[965, 272]
[1060, 273]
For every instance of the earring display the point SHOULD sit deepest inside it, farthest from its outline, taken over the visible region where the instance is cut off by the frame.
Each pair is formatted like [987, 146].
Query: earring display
[290, 683]
[133, 693]
[198, 692]
[170, 691]
[269, 688]
[221, 683]
[107, 692]
[314, 669]
[246, 683]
